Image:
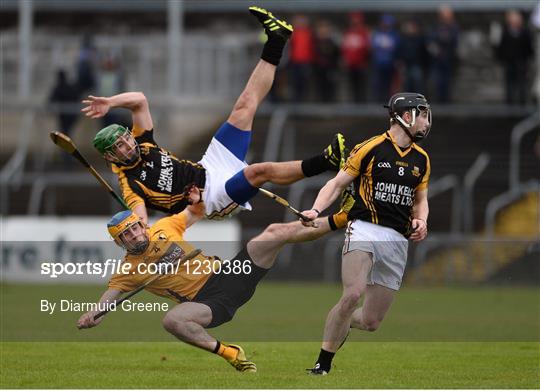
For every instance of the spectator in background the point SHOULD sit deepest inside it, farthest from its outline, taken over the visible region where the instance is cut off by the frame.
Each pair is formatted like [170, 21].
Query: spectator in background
[326, 61]
[443, 51]
[355, 53]
[86, 74]
[384, 44]
[301, 57]
[535, 22]
[63, 94]
[515, 52]
[413, 56]
[111, 82]
[64, 97]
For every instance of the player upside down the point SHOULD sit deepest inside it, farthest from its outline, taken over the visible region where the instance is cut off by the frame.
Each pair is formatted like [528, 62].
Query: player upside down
[206, 300]
[151, 177]
[219, 292]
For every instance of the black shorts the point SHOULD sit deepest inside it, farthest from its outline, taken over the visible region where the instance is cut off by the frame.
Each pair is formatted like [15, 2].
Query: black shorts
[225, 293]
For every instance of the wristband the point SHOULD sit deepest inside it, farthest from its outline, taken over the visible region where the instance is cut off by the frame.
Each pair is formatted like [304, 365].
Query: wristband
[316, 210]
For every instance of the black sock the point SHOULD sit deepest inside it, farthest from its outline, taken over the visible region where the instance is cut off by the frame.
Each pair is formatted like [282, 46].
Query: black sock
[325, 360]
[218, 345]
[273, 49]
[315, 165]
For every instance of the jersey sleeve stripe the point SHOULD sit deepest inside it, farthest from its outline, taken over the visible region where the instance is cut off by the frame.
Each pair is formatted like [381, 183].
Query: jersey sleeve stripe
[353, 163]
[369, 174]
[369, 191]
[132, 199]
[425, 179]
[365, 192]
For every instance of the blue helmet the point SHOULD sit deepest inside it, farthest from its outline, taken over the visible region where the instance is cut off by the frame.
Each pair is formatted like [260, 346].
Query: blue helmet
[119, 223]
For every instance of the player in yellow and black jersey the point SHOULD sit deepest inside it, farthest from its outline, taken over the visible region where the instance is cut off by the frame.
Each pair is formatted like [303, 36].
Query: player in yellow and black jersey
[206, 297]
[203, 295]
[390, 174]
[151, 177]
[387, 177]
[158, 178]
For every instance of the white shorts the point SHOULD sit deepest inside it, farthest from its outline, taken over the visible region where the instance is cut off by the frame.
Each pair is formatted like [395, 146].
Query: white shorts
[387, 247]
[220, 165]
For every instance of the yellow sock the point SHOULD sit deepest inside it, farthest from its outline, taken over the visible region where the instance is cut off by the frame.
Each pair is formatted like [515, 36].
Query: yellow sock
[226, 351]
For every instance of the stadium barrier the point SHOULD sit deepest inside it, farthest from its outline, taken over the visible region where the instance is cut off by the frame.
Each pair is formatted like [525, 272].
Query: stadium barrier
[28, 242]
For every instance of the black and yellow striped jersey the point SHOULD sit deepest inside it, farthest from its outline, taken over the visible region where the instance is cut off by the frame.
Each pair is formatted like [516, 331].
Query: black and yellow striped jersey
[158, 179]
[386, 179]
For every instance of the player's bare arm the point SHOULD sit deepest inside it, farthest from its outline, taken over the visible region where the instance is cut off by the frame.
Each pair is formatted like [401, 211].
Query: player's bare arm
[420, 215]
[136, 102]
[328, 194]
[87, 321]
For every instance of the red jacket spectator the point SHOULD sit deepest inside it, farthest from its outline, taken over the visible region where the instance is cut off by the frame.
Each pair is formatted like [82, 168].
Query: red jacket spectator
[302, 50]
[355, 46]
[301, 58]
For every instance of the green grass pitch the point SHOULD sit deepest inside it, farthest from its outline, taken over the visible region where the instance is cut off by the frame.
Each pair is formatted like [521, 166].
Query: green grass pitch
[432, 338]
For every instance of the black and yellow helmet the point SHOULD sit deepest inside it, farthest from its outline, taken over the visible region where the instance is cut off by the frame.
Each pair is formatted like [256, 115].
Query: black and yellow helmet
[408, 101]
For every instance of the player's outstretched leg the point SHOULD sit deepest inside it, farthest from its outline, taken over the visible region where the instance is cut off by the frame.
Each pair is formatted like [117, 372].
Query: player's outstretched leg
[332, 158]
[337, 152]
[265, 247]
[239, 362]
[245, 184]
[262, 77]
[186, 322]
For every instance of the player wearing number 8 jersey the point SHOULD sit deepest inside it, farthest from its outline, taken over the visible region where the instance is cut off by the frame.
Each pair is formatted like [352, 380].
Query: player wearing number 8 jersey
[387, 177]
[390, 173]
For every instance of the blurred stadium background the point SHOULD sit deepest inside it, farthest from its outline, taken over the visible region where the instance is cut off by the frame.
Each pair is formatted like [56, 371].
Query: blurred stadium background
[191, 58]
